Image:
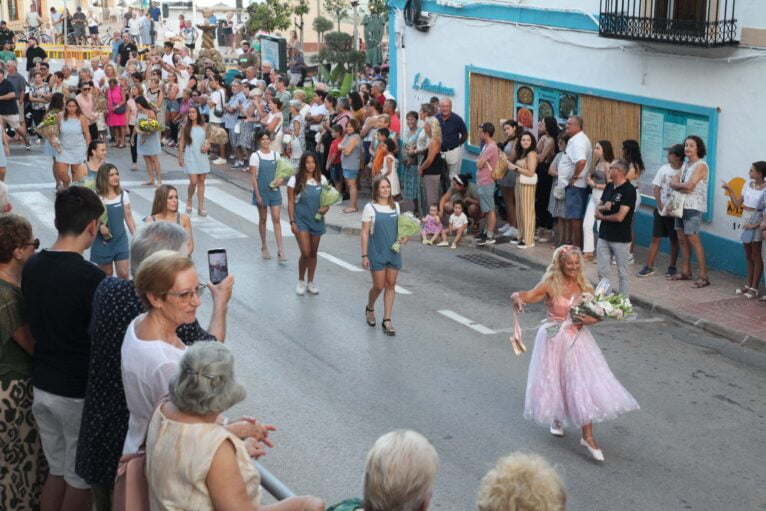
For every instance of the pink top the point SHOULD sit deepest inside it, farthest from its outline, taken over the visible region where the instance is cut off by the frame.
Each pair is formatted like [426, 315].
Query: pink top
[86, 107]
[132, 111]
[558, 309]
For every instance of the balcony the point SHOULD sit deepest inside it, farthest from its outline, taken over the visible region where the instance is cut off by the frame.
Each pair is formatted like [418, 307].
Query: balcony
[700, 23]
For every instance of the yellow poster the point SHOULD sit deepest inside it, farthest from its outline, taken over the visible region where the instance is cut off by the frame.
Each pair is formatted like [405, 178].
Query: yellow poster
[736, 185]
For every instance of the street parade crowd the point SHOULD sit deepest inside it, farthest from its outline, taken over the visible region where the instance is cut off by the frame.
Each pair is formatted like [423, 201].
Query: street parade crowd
[104, 363]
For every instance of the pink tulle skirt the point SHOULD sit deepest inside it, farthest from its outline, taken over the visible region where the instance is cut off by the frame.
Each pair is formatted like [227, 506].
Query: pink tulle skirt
[570, 381]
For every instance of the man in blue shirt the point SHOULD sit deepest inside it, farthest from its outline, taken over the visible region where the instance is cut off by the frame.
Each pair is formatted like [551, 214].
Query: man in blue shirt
[155, 12]
[454, 135]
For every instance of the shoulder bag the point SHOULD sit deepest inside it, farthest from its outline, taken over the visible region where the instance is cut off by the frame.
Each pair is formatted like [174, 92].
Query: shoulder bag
[674, 207]
[523, 178]
[501, 169]
[218, 112]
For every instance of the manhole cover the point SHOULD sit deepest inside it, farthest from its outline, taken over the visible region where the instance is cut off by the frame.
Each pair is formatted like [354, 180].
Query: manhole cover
[491, 262]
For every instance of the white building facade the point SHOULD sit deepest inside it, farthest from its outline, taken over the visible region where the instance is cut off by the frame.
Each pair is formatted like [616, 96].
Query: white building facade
[650, 70]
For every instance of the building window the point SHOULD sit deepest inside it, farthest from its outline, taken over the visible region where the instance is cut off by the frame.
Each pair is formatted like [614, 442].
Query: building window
[13, 11]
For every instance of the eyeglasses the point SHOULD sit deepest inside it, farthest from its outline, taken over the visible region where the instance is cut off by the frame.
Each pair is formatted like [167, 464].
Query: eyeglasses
[186, 296]
[35, 243]
[86, 89]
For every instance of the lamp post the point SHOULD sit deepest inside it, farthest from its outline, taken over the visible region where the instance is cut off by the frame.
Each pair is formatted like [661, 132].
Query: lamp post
[355, 5]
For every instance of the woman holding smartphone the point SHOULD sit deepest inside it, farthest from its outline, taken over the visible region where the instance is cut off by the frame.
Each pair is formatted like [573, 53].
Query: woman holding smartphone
[303, 191]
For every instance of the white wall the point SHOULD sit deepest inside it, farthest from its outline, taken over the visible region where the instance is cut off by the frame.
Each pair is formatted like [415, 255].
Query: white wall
[584, 59]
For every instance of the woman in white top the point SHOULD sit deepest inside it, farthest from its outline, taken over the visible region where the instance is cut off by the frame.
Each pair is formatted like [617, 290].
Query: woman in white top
[214, 469]
[692, 182]
[379, 232]
[750, 200]
[306, 217]
[263, 167]
[273, 125]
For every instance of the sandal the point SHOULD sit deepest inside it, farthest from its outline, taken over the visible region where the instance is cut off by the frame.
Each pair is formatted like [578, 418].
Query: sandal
[201, 212]
[281, 257]
[680, 276]
[369, 313]
[388, 330]
[265, 253]
[700, 283]
[188, 206]
[741, 290]
[350, 210]
[752, 293]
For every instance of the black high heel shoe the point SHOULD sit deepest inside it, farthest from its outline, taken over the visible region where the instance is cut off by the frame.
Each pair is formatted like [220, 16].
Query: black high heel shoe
[387, 329]
[367, 312]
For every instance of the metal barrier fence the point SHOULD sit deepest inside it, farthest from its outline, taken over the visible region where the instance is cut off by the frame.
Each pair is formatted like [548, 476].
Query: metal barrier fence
[271, 484]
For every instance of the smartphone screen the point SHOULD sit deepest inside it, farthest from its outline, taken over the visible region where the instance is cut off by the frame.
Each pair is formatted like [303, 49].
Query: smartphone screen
[218, 265]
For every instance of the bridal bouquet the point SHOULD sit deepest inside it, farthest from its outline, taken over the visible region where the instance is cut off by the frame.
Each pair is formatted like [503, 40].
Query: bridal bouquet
[150, 126]
[49, 129]
[599, 305]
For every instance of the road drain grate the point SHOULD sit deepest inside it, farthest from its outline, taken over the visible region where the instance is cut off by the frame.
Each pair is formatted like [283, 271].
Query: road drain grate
[491, 262]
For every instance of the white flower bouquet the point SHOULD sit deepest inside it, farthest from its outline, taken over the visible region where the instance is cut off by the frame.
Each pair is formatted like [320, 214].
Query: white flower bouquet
[601, 306]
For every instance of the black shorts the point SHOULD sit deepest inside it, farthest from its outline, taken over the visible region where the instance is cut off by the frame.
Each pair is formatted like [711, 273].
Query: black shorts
[93, 30]
[664, 226]
[190, 46]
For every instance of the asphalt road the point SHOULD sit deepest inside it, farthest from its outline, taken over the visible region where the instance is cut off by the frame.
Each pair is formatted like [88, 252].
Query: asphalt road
[332, 385]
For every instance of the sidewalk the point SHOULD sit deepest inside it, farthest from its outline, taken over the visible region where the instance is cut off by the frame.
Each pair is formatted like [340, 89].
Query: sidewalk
[715, 308]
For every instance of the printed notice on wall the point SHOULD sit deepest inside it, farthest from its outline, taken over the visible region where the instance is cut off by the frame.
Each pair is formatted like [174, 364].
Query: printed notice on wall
[661, 129]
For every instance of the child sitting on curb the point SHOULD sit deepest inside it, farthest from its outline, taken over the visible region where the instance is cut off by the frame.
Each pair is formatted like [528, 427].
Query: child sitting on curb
[458, 223]
[432, 225]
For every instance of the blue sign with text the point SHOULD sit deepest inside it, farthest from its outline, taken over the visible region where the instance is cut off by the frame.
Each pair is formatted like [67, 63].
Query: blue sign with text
[423, 83]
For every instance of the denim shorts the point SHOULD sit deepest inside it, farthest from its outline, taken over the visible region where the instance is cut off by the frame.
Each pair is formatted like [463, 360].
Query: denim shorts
[690, 222]
[351, 173]
[336, 173]
[486, 197]
[576, 202]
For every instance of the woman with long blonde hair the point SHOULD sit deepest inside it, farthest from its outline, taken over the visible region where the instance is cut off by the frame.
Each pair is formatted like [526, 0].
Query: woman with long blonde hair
[569, 381]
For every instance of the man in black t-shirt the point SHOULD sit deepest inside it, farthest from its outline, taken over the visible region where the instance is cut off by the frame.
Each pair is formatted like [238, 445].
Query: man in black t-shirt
[6, 34]
[125, 48]
[615, 211]
[58, 287]
[33, 51]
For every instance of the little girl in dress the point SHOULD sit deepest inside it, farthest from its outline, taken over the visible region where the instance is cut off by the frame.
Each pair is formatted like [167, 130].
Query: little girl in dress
[432, 226]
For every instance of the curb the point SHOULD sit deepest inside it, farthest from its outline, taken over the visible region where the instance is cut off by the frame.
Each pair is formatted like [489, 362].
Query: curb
[735, 336]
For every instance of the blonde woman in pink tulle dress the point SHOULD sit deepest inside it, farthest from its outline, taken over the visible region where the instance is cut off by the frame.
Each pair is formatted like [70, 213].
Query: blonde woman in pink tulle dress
[569, 381]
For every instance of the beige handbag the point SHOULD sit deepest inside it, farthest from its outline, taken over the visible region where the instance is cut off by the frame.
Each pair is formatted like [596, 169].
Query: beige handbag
[524, 179]
[501, 169]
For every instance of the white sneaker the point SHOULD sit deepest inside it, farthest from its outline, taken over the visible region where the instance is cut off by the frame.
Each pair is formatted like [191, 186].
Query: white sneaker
[300, 289]
[311, 288]
[219, 161]
[511, 231]
[504, 229]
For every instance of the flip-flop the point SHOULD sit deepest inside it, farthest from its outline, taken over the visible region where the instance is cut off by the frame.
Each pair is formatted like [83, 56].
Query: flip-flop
[680, 276]
[700, 283]
[350, 210]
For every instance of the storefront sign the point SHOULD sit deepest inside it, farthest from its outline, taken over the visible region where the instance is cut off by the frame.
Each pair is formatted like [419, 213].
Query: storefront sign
[423, 83]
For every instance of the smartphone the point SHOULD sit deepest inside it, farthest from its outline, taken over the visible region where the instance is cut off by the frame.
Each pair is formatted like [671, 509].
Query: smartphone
[217, 264]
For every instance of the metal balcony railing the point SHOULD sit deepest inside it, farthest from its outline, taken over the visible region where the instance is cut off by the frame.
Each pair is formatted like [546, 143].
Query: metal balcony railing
[702, 23]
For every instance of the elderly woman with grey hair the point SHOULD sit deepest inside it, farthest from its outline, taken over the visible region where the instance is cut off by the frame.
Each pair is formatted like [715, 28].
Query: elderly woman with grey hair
[520, 482]
[398, 476]
[115, 305]
[214, 469]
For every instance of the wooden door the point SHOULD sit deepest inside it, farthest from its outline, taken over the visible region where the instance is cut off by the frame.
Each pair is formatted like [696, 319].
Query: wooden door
[690, 10]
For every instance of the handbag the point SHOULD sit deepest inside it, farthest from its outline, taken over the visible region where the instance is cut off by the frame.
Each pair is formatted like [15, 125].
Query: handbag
[559, 193]
[218, 112]
[119, 110]
[501, 169]
[523, 178]
[675, 206]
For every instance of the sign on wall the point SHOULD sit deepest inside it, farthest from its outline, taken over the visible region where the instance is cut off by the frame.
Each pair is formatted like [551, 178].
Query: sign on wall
[532, 103]
[660, 129]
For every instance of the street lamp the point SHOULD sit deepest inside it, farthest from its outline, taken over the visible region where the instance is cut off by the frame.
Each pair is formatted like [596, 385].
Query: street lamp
[355, 5]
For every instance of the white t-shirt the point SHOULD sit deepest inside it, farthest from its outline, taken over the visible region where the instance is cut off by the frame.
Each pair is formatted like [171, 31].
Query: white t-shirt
[99, 75]
[147, 368]
[304, 110]
[116, 200]
[254, 160]
[457, 222]
[578, 148]
[392, 174]
[312, 182]
[183, 81]
[167, 59]
[368, 212]
[663, 178]
[187, 60]
[33, 19]
[134, 26]
[218, 98]
[315, 110]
